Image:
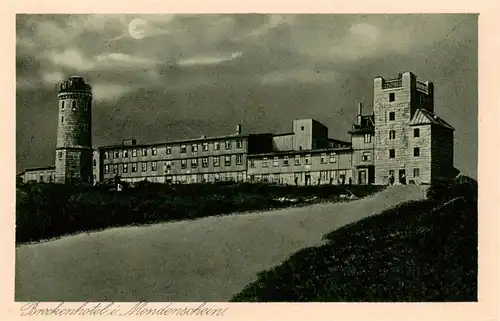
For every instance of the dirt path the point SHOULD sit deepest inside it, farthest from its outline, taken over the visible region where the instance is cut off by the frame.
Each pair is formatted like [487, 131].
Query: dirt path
[205, 260]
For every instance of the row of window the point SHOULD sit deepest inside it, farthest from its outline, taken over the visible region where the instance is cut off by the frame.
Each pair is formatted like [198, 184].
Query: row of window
[392, 133]
[168, 151]
[416, 152]
[194, 162]
[86, 105]
[392, 97]
[324, 158]
[416, 172]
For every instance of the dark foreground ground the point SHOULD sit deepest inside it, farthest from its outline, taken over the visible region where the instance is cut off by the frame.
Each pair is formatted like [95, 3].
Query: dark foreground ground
[422, 250]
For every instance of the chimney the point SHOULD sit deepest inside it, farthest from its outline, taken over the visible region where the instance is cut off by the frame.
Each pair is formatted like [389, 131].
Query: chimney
[360, 113]
[238, 129]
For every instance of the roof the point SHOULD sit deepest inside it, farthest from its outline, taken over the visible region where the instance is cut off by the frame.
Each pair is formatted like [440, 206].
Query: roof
[310, 151]
[38, 169]
[176, 141]
[424, 117]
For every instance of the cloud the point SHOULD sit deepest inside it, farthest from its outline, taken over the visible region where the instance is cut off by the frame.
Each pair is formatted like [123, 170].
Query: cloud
[298, 76]
[209, 60]
[109, 92]
[273, 21]
[71, 58]
[52, 77]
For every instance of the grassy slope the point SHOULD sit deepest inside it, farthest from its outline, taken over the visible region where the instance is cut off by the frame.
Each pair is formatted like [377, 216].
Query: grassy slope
[45, 211]
[418, 251]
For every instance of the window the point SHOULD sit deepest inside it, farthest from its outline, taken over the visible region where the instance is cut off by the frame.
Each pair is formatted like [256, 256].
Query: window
[308, 159]
[368, 138]
[333, 158]
[300, 147]
[183, 163]
[125, 153]
[416, 151]
[86, 105]
[134, 167]
[252, 163]
[144, 166]
[216, 145]
[392, 153]
[117, 154]
[60, 155]
[115, 169]
[194, 162]
[73, 105]
[106, 169]
[416, 132]
[366, 156]
[153, 151]
[204, 162]
[62, 105]
[216, 161]
[194, 148]
[205, 147]
[333, 175]
[125, 168]
[239, 159]
[392, 134]
[323, 175]
[285, 160]
[276, 161]
[134, 152]
[106, 155]
[392, 115]
[239, 143]
[416, 172]
[95, 163]
[392, 97]
[264, 162]
[323, 158]
[228, 144]
[154, 166]
[422, 99]
[144, 152]
[297, 159]
[169, 150]
[168, 165]
[183, 149]
[227, 160]
[301, 127]
[62, 119]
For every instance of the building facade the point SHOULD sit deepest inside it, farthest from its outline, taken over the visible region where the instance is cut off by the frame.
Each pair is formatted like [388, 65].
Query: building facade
[401, 138]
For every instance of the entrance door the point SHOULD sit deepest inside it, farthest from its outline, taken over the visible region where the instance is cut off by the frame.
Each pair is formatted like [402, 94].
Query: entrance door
[308, 178]
[402, 176]
[362, 177]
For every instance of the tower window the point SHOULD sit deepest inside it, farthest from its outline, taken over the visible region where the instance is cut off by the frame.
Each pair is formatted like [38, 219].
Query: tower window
[392, 134]
[73, 105]
[416, 132]
[392, 97]
[85, 105]
[368, 138]
[422, 99]
[416, 152]
[62, 119]
[392, 115]
[392, 153]
[62, 105]
[60, 155]
[301, 127]
[416, 172]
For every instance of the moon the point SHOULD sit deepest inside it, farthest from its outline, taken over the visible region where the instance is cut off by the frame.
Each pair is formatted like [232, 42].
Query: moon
[137, 28]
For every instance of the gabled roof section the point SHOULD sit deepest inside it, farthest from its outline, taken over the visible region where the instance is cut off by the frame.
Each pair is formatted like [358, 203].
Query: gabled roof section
[423, 117]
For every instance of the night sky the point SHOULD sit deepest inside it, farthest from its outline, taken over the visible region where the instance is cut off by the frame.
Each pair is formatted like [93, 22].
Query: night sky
[193, 75]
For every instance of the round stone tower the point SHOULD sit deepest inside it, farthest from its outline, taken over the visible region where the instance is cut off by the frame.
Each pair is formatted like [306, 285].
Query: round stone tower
[74, 138]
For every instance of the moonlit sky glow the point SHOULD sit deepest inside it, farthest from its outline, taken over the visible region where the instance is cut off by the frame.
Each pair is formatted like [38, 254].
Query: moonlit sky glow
[191, 75]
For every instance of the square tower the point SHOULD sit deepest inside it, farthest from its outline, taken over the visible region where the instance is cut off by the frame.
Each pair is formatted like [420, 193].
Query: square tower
[395, 102]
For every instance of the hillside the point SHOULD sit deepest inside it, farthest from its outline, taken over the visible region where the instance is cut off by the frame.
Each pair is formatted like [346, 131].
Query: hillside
[209, 259]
